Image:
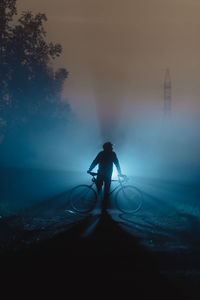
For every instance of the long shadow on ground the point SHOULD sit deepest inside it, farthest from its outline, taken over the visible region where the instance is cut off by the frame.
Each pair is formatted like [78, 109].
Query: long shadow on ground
[108, 260]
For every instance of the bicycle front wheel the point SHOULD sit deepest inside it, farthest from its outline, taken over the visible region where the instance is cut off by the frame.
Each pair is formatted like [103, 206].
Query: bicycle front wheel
[83, 198]
[129, 199]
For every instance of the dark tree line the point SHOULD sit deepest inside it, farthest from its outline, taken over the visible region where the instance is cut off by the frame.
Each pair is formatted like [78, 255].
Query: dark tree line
[30, 89]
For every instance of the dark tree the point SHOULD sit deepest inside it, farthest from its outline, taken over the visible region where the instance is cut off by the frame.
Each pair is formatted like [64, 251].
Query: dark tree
[29, 85]
[7, 11]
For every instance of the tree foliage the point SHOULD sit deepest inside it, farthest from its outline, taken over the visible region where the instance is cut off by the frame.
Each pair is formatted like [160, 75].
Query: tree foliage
[7, 11]
[29, 86]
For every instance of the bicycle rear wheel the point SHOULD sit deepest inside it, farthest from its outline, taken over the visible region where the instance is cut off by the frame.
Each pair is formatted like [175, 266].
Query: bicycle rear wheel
[129, 199]
[83, 198]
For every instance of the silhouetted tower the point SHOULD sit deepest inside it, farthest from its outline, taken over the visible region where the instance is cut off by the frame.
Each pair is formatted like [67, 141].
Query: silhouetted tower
[167, 93]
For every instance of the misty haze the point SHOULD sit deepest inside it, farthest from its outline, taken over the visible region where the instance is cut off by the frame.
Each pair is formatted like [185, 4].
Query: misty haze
[75, 75]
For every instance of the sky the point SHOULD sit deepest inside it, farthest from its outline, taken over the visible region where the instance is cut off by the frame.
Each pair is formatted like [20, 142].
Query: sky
[117, 52]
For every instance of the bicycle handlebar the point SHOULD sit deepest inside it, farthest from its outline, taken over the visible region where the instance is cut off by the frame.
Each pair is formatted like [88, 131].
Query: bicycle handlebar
[125, 178]
[92, 173]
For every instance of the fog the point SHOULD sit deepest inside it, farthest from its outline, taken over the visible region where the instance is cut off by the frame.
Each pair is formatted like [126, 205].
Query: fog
[116, 53]
[43, 160]
[40, 159]
[156, 145]
[147, 143]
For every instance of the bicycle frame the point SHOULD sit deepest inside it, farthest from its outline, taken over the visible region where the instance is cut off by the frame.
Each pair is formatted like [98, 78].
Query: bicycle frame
[113, 180]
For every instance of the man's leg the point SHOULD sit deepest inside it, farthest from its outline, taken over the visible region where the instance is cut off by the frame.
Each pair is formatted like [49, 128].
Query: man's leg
[107, 183]
[99, 184]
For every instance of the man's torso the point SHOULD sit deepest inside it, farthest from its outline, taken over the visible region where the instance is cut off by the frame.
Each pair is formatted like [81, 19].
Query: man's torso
[106, 160]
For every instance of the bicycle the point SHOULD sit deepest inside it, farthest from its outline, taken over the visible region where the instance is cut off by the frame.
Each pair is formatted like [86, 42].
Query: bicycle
[128, 198]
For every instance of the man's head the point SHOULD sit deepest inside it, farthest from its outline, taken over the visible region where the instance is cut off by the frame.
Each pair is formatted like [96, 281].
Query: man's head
[107, 146]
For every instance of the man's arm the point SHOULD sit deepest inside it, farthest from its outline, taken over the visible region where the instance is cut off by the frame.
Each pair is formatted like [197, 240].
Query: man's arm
[116, 162]
[94, 163]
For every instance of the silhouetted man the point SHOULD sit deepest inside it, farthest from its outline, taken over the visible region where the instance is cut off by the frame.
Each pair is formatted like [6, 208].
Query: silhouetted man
[105, 160]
